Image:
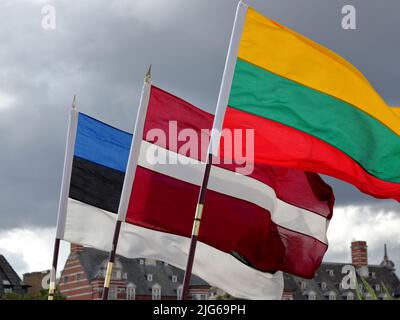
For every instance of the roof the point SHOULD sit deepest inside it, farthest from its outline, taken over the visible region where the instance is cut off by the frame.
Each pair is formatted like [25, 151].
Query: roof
[94, 261]
[329, 276]
[9, 278]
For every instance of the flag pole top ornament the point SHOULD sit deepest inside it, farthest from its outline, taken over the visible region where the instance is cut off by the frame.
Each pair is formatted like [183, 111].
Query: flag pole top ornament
[241, 2]
[147, 77]
[74, 102]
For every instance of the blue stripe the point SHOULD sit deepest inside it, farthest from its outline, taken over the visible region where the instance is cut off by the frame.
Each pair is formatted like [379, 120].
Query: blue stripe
[101, 143]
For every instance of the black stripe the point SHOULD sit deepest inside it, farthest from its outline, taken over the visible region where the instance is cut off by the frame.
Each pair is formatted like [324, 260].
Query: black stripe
[96, 185]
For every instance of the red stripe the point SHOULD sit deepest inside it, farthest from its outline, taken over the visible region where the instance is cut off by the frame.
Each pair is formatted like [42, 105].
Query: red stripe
[228, 224]
[280, 145]
[304, 190]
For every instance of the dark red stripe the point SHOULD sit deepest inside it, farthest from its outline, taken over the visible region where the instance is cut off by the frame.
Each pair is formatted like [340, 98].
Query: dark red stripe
[231, 225]
[302, 189]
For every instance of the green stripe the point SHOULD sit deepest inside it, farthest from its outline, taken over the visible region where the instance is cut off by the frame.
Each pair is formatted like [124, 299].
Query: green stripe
[367, 141]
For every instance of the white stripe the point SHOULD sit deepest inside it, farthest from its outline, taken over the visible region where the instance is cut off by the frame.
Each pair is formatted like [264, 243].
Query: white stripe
[238, 186]
[91, 226]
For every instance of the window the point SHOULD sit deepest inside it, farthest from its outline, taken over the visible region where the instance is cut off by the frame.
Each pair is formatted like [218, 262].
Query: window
[149, 277]
[78, 277]
[199, 296]
[65, 279]
[350, 296]
[331, 273]
[116, 274]
[174, 279]
[368, 297]
[323, 285]
[332, 296]
[130, 292]
[124, 276]
[112, 293]
[377, 287]
[8, 290]
[373, 275]
[141, 261]
[156, 292]
[312, 296]
[150, 262]
[304, 285]
[179, 292]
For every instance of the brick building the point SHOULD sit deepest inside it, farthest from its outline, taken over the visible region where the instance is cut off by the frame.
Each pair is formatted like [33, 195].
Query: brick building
[35, 281]
[133, 279]
[327, 283]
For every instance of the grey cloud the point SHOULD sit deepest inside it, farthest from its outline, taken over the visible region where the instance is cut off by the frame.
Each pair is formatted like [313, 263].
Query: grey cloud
[101, 50]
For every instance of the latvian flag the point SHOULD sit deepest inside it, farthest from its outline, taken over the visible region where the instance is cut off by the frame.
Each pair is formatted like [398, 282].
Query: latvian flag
[253, 227]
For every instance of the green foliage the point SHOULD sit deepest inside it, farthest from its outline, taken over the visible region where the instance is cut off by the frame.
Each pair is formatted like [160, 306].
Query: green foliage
[358, 291]
[369, 289]
[43, 295]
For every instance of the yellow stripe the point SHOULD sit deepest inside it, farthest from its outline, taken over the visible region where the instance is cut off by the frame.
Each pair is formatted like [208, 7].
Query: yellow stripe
[273, 47]
[396, 111]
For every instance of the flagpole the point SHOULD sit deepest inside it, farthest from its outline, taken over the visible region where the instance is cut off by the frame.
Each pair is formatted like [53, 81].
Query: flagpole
[64, 194]
[222, 102]
[129, 176]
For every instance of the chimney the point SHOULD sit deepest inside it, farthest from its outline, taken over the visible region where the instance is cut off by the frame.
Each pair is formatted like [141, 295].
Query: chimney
[359, 256]
[359, 253]
[76, 248]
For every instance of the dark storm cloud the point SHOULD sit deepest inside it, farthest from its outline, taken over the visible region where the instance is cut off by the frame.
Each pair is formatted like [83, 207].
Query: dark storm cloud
[100, 51]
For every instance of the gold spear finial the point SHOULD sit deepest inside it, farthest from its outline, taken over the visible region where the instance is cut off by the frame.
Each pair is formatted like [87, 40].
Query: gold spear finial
[147, 77]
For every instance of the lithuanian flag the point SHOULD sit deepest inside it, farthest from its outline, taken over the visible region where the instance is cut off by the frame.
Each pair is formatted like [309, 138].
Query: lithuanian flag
[312, 110]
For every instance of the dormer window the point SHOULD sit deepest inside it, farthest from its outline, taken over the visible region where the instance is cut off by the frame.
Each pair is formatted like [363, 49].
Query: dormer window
[312, 295]
[174, 279]
[179, 292]
[331, 273]
[149, 277]
[350, 296]
[141, 261]
[130, 292]
[377, 287]
[323, 285]
[150, 262]
[156, 292]
[332, 295]
[304, 285]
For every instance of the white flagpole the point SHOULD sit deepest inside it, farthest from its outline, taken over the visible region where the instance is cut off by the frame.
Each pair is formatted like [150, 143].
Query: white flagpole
[129, 175]
[222, 103]
[64, 194]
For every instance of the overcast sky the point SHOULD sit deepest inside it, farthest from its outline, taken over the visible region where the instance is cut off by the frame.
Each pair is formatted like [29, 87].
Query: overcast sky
[100, 51]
